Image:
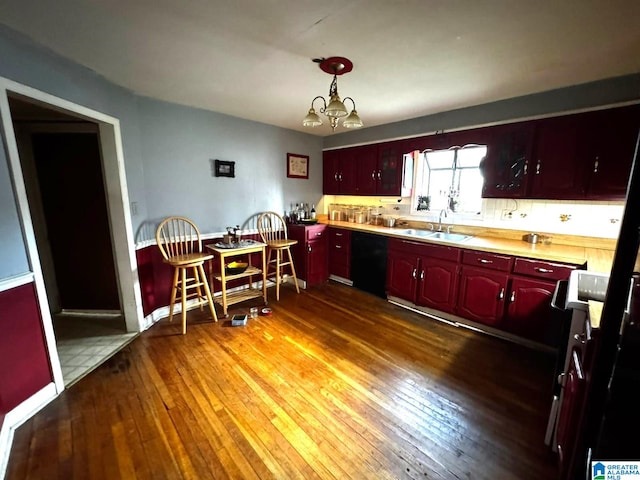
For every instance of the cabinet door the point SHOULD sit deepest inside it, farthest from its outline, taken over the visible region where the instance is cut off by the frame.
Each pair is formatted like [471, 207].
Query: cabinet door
[570, 414]
[331, 172]
[557, 171]
[609, 145]
[317, 261]
[367, 174]
[506, 166]
[390, 163]
[437, 284]
[338, 173]
[402, 271]
[481, 295]
[529, 312]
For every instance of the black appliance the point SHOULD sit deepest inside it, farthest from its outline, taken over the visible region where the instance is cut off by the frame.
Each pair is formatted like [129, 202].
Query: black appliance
[369, 262]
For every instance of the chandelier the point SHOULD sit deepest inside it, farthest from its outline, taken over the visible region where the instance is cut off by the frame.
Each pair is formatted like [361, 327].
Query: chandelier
[336, 109]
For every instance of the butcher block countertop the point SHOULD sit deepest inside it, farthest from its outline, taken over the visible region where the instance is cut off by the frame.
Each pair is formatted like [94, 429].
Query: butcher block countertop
[596, 252]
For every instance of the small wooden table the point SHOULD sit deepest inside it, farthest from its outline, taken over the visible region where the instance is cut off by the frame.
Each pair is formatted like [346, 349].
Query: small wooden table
[246, 247]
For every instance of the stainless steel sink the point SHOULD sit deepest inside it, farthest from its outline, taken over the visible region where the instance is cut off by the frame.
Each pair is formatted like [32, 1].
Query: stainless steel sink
[449, 237]
[444, 236]
[415, 232]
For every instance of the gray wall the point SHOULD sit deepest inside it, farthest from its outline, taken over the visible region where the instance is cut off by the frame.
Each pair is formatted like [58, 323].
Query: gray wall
[167, 152]
[586, 96]
[180, 145]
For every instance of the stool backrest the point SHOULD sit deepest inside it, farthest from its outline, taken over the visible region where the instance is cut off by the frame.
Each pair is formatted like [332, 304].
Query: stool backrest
[178, 236]
[272, 227]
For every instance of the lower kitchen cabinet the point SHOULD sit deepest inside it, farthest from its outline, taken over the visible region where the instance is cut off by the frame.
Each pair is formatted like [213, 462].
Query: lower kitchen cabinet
[339, 240]
[569, 419]
[426, 275]
[529, 313]
[482, 295]
[437, 284]
[402, 271]
[311, 252]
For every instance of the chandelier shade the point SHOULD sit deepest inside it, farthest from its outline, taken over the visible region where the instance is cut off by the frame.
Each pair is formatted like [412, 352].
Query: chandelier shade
[336, 108]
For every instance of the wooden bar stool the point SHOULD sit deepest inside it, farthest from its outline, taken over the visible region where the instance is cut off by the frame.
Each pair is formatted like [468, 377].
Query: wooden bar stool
[273, 231]
[179, 241]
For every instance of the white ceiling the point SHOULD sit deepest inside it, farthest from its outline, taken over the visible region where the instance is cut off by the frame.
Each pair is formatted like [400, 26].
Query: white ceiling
[253, 58]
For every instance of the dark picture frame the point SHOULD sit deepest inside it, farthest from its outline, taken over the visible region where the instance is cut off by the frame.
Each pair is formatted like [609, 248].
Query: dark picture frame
[297, 165]
[225, 169]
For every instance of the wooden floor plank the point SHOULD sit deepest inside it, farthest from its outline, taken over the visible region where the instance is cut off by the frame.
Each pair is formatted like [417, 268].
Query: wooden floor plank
[335, 384]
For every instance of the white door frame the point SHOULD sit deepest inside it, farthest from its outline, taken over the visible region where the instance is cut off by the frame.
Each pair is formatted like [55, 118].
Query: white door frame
[117, 201]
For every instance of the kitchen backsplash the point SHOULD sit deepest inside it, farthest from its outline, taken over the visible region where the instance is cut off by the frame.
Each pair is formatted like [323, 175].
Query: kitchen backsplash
[593, 219]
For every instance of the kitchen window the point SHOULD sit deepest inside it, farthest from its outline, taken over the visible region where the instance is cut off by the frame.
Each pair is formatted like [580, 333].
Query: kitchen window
[449, 179]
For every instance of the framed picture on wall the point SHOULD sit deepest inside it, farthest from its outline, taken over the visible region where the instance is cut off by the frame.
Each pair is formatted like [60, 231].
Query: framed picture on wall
[225, 169]
[297, 165]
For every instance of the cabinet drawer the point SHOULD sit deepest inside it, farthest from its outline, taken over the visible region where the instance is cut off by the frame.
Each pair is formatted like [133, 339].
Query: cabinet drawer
[316, 231]
[441, 252]
[541, 269]
[338, 235]
[406, 246]
[487, 260]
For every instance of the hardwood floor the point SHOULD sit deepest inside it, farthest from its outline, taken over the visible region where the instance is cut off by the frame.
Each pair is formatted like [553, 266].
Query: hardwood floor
[335, 384]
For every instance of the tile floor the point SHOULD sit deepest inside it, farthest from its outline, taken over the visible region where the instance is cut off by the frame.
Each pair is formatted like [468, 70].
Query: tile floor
[85, 342]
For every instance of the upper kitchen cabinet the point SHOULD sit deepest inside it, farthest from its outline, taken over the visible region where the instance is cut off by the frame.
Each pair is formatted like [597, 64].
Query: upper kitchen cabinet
[557, 171]
[367, 171]
[608, 148]
[505, 168]
[338, 173]
[389, 170]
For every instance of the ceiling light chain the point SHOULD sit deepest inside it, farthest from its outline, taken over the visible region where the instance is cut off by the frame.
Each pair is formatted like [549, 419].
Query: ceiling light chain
[336, 108]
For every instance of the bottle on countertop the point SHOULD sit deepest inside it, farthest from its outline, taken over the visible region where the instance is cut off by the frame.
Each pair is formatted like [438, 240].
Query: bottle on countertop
[312, 214]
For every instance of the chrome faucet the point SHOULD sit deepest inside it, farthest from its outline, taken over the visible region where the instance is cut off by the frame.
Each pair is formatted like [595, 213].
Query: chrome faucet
[443, 211]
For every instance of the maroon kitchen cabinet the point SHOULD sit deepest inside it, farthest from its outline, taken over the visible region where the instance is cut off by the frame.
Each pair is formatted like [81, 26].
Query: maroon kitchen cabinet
[311, 253]
[570, 417]
[483, 286]
[338, 173]
[506, 167]
[402, 273]
[481, 295]
[529, 313]
[437, 284]
[557, 171]
[368, 174]
[390, 169]
[607, 150]
[424, 274]
[339, 246]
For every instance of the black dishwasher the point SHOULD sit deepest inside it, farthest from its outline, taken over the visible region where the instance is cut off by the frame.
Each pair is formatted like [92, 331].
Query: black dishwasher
[369, 262]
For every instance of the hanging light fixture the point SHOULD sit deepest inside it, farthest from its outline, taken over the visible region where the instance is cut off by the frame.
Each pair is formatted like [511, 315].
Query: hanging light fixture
[336, 109]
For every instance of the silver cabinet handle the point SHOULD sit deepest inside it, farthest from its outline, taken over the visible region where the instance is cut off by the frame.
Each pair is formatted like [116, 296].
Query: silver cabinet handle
[579, 337]
[338, 246]
[513, 297]
[543, 270]
[335, 176]
[422, 275]
[538, 168]
[482, 260]
[379, 174]
[526, 167]
[338, 234]
[373, 175]
[595, 165]
[309, 248]
[414, 273]
[340, 177]
[501, 295]
[318, 234]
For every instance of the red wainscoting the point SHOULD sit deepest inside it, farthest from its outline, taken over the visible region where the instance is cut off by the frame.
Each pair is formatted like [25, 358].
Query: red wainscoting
[24, 361]
[156, 276]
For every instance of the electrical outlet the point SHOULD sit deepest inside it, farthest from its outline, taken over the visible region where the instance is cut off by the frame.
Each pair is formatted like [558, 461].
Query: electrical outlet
[506, 215]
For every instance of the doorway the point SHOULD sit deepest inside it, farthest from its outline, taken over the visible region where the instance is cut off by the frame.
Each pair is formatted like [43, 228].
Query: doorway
[63, 175]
